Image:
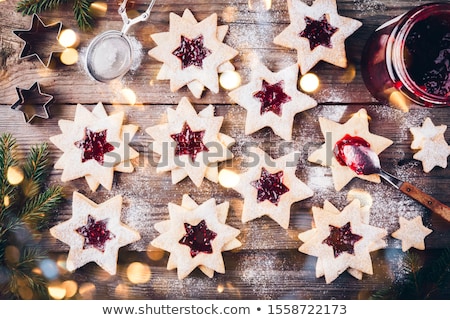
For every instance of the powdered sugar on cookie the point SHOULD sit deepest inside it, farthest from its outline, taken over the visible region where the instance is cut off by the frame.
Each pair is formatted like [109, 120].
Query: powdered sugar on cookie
[269, 187]
[317, 32]
[195, 235]
[94, 233]
[272, 100]
[412, 233]
[94, 146]
[193, 53]
[190, 144]
[341, 241]
[429, 140]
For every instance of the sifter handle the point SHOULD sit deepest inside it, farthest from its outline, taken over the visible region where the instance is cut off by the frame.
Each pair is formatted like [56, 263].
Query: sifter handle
[427, 200]
[127, 22]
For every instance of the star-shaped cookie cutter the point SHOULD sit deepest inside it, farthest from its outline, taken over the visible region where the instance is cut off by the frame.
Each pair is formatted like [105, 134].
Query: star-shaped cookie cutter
[39, 40]
[31, 100]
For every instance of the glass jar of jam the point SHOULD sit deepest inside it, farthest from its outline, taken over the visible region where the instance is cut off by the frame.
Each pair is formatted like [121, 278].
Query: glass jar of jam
[409, 56]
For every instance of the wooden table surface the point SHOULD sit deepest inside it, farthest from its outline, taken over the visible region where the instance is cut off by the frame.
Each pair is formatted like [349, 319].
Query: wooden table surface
[268, 265]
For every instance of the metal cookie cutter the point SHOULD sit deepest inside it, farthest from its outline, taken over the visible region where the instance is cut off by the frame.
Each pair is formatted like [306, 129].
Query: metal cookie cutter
[32, 102]
[110, 55]
[40, 40]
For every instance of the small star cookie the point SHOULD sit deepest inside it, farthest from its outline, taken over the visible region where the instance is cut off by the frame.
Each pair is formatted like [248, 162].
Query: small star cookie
[95, 145]
[270, 186]
[196, 235]
[341, 241]
[412, 233]
[356, 126]
[317, 32]
[433, 149]
[94, 233]
[193, 53]
[190, 144]
[272, 100]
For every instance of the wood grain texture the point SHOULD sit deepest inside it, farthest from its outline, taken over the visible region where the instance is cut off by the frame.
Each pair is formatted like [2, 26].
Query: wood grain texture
[268, 265]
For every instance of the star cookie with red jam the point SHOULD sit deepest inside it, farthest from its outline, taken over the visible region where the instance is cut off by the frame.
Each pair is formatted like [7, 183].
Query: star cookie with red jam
[431, 147]
[341, 241]
[365, 216]
[193, 53]
[195, 236]
[357, 127]
[190, 144]
[412, 233]
[94, 146]
[317, 32]
[272, 100]
[270, 186]
[94, 233]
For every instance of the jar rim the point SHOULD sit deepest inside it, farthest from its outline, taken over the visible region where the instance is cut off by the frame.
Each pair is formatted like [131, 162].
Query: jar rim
[398, 51]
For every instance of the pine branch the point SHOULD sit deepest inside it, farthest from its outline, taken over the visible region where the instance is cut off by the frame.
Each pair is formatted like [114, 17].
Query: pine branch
[7, 159]
[36, 167]
[81, 11]
[29, 7]
[35, 210]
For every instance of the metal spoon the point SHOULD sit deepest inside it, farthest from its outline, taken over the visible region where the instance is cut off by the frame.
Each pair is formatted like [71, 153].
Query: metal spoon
[363, 160]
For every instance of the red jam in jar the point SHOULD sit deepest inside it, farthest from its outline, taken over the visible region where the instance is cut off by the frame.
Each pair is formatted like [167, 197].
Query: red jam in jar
[411, 55]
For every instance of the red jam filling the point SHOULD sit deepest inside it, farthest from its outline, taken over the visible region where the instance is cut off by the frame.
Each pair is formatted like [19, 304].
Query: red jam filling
[272, 97]
[94, 146]
[270, 186]
[198, 238]
[342, 239]
[427, 54]
[191, 52]
[318, 32]
[354, 152]
[95, 234]
[189, 142]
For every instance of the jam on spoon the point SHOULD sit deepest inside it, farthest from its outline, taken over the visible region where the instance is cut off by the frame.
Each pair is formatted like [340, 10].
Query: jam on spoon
[355, 153]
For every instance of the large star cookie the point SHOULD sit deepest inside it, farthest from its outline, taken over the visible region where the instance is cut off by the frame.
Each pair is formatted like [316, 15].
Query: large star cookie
[95, 145]
[272, 100]
[317, 32]
[270, 186]
[342, 241]
[412, 233]
[433, 149]
[193, 53]
[357, 126]
[195, 235]
[365, 216]
[94, 233]
[190, 144]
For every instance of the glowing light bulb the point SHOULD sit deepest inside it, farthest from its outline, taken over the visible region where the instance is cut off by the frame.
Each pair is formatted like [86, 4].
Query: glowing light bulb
[14, 175]
[230, 80]
[57, 291]
[228, 178]
[69, 56]
[309, 82]
[138, 272]
[68, 38]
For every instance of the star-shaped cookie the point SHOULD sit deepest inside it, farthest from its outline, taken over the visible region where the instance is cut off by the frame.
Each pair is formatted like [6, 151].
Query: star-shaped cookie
[317, 32]
[341, 241]
[270, 186]
[196, 235]
[40, 40]
[94, 146]
[94, 233]
[433, 149]
[272, 100]
[412, 233]
[356, 126]
[190, 144]
[193, 53]
[365, 216]
[32, 102]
